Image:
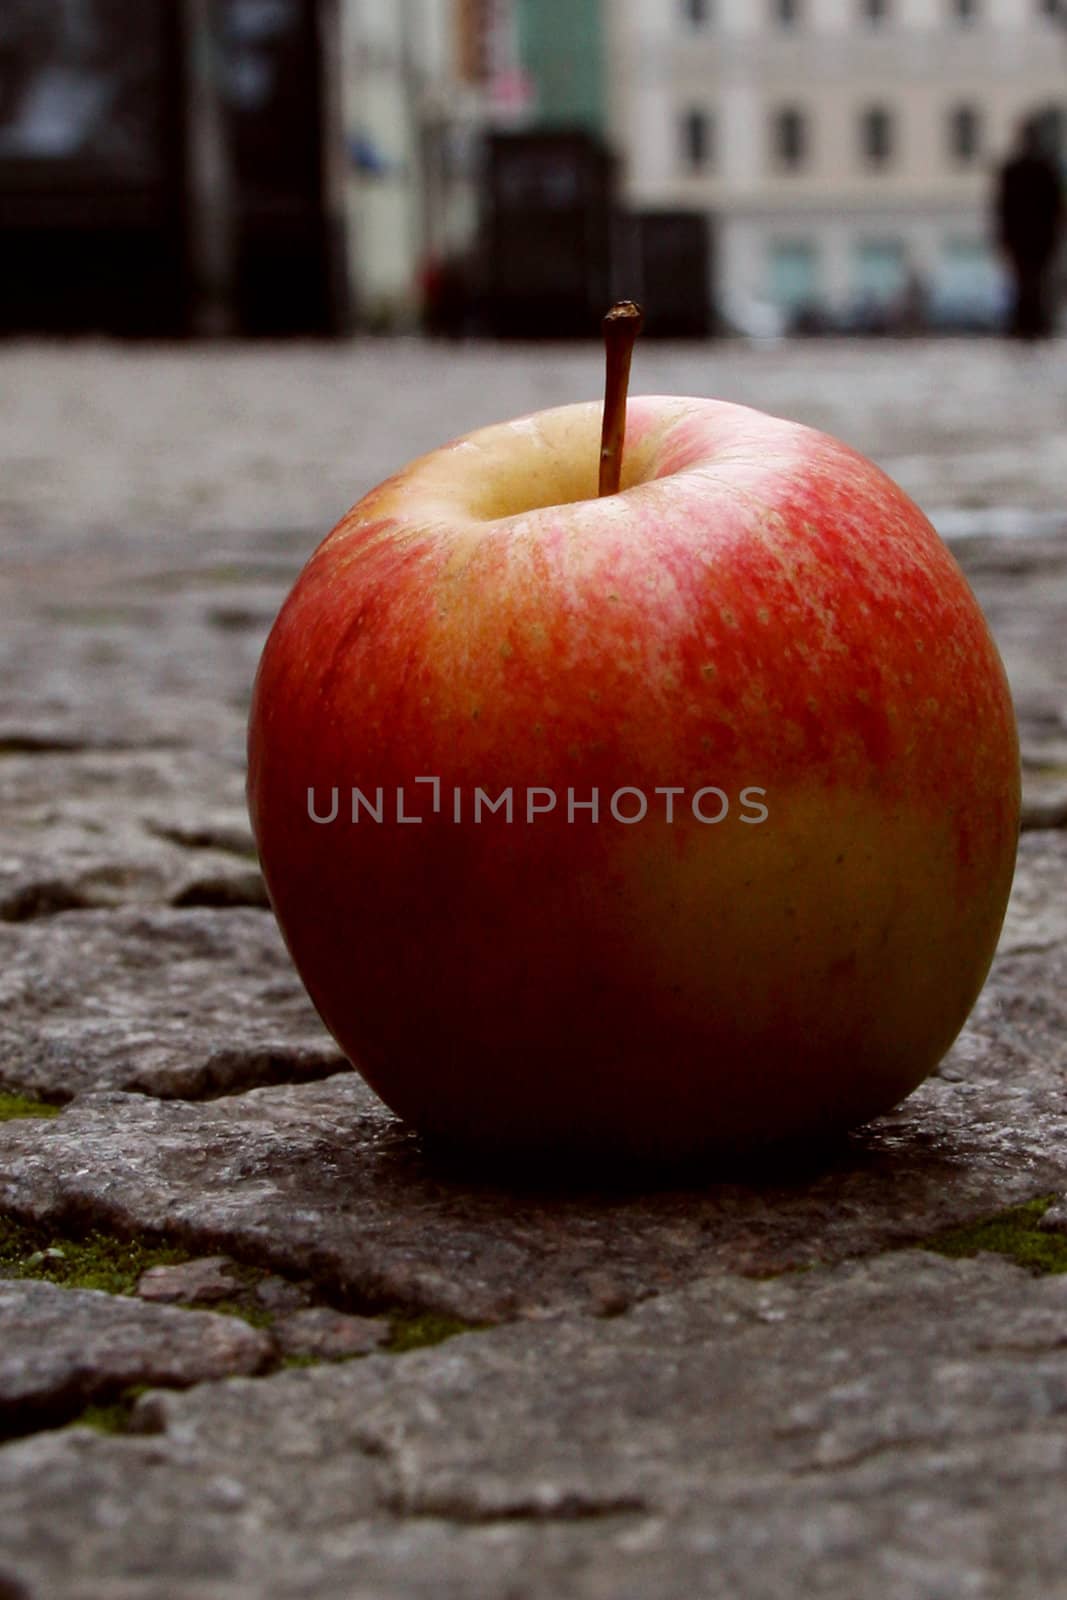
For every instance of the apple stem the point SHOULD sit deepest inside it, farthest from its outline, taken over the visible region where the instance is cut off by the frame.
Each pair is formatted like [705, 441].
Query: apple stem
[622, 325]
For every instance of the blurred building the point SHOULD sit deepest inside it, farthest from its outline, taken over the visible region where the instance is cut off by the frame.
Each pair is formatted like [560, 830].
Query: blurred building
[170, 167]
[404, 113]
[424, 84]
[548, 244]
[92, 167]
[561, 51]
[267, 109]
[845, 148]
[549, 233]
[274, 166]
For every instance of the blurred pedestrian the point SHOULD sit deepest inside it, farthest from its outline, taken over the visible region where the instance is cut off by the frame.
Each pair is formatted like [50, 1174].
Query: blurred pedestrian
[1030, 217]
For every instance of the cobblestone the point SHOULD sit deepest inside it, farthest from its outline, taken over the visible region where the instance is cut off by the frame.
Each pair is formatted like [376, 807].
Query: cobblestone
[643, 1410]
[884, 1429]
[62, 1349]
[319, 1177]
[148, 1000]
[190, 447]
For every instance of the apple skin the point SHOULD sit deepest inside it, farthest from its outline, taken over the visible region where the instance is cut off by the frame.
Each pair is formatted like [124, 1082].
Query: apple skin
[759, 606]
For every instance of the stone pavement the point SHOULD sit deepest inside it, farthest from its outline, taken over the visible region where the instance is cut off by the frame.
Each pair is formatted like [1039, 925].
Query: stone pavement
[255, 1340]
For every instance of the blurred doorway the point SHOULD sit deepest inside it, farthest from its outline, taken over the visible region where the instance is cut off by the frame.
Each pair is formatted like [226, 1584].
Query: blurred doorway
[144, 145]
[91, 167]
[289, 270]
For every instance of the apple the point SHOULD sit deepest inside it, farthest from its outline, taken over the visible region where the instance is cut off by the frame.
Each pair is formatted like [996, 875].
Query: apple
[674, 820]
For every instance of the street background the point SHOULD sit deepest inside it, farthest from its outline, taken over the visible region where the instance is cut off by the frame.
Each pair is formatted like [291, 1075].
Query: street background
[507, 167]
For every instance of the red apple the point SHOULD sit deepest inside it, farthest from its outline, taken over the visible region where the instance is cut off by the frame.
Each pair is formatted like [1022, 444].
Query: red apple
[698, 966]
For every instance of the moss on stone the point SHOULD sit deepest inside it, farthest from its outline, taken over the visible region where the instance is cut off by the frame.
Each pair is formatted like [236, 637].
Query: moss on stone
[255, 1316]
[110, 1416]
[98, 1260]
[416, 1331]
[1015, 1233]
[94, 1261]
[13, 1106]
[104, 1418]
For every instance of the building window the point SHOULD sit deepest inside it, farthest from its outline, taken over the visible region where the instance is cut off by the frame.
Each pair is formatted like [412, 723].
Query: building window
[965, 134]
[881, 272]
[965, 291]
[876, 136]
[965, 10]
[789, 138]
[696, 12]
[875, 11]
[793, 274]
[696, 139]
[786, 12]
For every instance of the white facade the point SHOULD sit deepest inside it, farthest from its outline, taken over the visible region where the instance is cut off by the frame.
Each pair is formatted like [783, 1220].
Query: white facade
[410, 127]
[846, 148]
